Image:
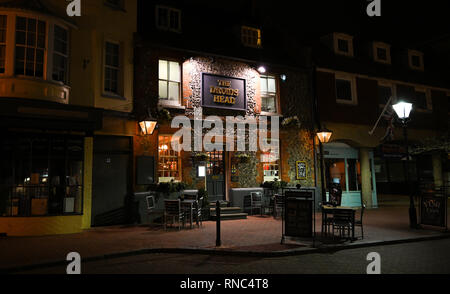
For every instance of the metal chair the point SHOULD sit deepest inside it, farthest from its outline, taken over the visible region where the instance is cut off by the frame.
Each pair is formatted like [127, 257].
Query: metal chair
[197, 207]
[172, 209]
[359, 223]
[278, 205]
[257, 201]
[343, 222]
[150, 200]
[327, 221]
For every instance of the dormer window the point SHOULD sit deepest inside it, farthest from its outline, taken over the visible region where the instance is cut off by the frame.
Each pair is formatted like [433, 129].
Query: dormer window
[382, 52]
[415, 59]
[251, 37]
[343, 44]
[168, 19]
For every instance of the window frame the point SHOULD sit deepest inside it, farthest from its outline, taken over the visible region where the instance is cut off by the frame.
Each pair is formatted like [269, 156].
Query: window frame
[168, 27]
[119, 93]
[51, 60]
[271, 163]
[428, 99]
[344, 37]
[258, 40]
[385, 46]
[276, 96]
[352, 81]
[167, 102]
[178, 159]
[415, 53]
[387, 85]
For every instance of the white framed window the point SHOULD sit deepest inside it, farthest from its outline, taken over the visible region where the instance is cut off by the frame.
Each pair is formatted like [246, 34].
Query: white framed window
[251, 37]
[382, 52]
[268, 94]
[385, 91]
[415, 60]
[422, 99]
[31, 40]
[60, 54]
[168, 18]
[271, 164]
[343, 44]
[345, 89]
[111, 80]
[169, 84]
[169, 161]
[3, 31]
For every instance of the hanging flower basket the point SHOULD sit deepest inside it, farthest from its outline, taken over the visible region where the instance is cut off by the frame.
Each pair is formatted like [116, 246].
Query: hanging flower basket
[243, 158]
[202, 156]
[291, 122]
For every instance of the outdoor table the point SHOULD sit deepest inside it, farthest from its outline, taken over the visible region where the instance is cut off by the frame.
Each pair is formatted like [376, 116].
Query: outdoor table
[188, 206]
[328, 209]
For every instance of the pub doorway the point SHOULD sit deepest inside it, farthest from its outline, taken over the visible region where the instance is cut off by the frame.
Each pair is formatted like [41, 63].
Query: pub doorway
[215, 177]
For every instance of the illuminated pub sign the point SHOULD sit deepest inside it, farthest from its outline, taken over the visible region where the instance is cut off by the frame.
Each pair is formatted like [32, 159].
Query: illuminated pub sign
[223, 92]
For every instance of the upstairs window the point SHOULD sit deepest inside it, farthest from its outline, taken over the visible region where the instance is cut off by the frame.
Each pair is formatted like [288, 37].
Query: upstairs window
[381, 52]
[30, 47]
[251, 37]
[112, 68]
[345, 90]
[268, 94]
[60, 54]
[422, 100]
[3, 19]
[415, 59]
[385, 91]
[169, 82]
[168, 19]
[343, 44]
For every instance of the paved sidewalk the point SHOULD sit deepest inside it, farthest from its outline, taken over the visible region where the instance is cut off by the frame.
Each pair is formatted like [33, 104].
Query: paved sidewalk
[258, 235]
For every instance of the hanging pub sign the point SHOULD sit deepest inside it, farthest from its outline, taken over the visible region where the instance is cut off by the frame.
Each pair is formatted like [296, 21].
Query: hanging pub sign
[223, 92]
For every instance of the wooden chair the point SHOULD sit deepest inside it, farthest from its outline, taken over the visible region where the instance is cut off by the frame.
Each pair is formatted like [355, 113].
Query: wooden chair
[172, 209]
[343, 222]
[359, 223]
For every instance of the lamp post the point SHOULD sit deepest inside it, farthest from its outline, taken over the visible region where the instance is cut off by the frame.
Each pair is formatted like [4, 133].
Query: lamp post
[324, 136]
[403, 109]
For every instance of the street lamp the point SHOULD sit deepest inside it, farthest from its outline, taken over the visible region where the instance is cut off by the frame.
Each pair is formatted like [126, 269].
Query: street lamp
[148, 124]
[403, 109]
[324, 136]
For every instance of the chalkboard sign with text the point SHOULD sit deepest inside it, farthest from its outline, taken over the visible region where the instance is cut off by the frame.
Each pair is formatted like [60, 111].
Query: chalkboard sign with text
[298, 217]
[433, 210]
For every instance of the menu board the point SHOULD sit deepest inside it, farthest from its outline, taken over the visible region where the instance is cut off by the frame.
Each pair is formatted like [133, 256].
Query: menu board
[433, 210]
[298, 217]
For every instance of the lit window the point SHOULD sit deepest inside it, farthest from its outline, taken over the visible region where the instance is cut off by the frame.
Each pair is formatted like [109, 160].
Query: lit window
[271, 164]
[345, 90]
[415, 60]
[168, 160]
[251, 37]
[268, 94]
[343, 44]
[30, 47]
[112, 68]
[60, 55]
[169, 81]
[2, 43]
[381, 52]
[168, 18]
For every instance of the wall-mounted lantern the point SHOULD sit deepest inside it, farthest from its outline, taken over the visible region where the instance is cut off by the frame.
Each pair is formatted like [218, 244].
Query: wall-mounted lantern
[324, 135]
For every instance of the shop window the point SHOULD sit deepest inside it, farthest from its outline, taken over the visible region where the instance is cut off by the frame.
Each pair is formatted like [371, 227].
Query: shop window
[415, 59]
[382, 52]
[268, 94]
[111, 68]
[169, 82]
[345, 90]
[30, 47]
[3, 19]
[43, 176]
[251, 37]
[168, 19]
[60, 54]
[343, 44]
[168, 160]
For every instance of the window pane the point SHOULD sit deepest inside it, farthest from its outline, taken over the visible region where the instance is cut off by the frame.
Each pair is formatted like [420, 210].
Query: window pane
[271, 85]
[174, 71]
[343, 90]
[335, 170]
[415, 60]
[343, 45]
[21, 23]
[163, 91]
[384, 93]
[381, 53]
[20, 38]
[163, 70]
[263, 84]
[174, 91]
[163, 17]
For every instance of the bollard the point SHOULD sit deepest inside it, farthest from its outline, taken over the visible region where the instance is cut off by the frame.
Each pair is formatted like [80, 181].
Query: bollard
[218, 241]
